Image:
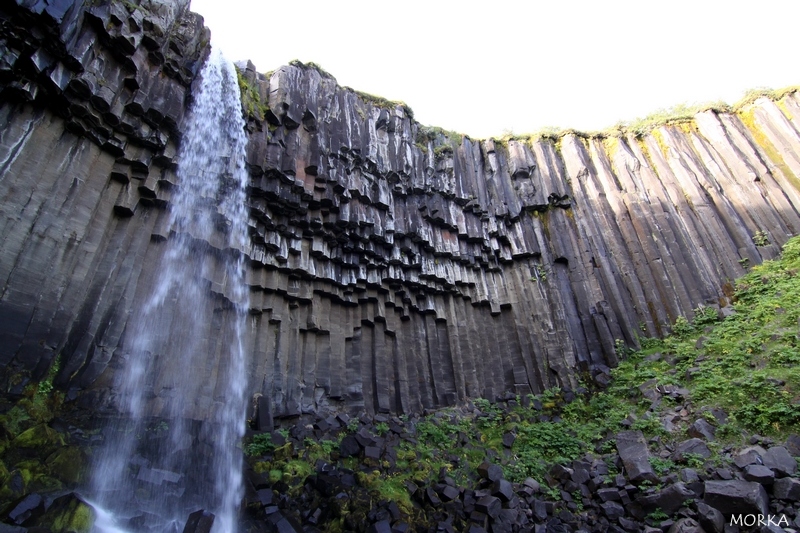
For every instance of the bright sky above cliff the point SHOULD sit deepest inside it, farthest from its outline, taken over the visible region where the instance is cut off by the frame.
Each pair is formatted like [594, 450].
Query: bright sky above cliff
[488, 68]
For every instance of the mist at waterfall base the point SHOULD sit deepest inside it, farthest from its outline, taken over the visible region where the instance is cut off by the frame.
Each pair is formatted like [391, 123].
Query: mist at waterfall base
[159, 462]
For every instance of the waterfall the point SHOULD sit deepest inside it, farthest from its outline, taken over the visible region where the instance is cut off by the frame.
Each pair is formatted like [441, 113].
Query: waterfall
[173, 448]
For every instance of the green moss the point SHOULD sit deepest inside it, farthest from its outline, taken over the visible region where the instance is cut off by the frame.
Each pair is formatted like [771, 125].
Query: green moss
[311, 65]
[297, 468]
[773, 94]
[68, 515]
[40, 439]
[390, 488]
[252, 106]
[746, 114]
[66, 464]
[14, 421]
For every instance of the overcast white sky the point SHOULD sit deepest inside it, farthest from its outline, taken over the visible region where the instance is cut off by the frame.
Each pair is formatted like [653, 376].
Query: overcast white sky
[485, 68]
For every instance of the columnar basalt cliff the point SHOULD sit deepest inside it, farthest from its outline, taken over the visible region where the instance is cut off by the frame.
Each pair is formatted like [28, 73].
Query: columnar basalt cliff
[392, 267]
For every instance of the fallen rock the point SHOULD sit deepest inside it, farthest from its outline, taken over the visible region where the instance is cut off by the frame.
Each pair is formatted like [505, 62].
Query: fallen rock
[24, 508]
[632, 449]
[749, 456]
[759, 474]
[613, 510]
[787, 488]
[68, 513]
[736, 497]
[199, 521]
[701, 429]
[693, 446]
[779, 461]
[710, 518]
[668, 500]
[490, 471]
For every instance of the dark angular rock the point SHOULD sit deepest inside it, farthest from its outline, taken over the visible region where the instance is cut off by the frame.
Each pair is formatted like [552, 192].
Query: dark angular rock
[692, 446]
[608, 494]
[372, 452]
[505, 521]
[382, 526]
[710, 519]
[759, 474]
[793, 445]
[669, 499]
[748, 457]
[701, 429]
[560, 472]
[199, 521]
[632, 449]
[449, 493]
[778, 459]
[612, 510]
[736, 496]
[532, 484]
[349, 447]
[539, 509]
[503, 490]
[432, 497]
[489, 505]
[630, 526]
[490, 471]
[580, 475]
[285, 523]
[22, 510]
[266, 496]
[787, 488]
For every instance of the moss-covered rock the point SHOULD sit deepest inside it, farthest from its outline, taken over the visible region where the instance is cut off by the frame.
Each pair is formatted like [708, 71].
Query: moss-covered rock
[67, 464]
[38, 441]
[68, 513]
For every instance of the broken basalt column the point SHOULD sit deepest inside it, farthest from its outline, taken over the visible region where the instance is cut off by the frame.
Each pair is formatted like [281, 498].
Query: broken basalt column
[392, 267]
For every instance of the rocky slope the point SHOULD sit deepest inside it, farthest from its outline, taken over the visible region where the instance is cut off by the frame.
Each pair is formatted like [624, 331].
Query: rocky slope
[393, 267]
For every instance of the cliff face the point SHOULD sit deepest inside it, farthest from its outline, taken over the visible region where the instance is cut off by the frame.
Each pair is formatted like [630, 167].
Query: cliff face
[392, 267]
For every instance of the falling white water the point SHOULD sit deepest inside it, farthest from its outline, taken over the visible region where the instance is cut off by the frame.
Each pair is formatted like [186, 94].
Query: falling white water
[154, 471]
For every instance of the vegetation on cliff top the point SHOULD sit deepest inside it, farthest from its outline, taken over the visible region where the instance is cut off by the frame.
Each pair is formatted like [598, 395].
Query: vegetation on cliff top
[677, 114]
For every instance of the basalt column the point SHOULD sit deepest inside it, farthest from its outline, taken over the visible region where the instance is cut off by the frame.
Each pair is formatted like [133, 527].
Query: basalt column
[391, 266]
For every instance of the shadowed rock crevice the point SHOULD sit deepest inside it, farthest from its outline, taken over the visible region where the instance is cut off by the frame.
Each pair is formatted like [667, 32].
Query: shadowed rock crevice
[392, 267]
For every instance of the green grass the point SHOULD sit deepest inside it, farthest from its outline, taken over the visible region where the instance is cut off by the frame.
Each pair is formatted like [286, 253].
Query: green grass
[747, 365]
[252, 105]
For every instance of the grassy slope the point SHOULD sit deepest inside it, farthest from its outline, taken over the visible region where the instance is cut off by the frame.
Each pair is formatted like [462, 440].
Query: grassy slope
[747, 365]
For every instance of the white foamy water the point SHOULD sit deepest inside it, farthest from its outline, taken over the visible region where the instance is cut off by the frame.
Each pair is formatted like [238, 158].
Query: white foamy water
[184, 382]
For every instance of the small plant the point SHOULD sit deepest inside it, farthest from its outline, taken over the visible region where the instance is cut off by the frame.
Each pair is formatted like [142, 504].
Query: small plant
[661, 466]
[694, 460]
[381, 428]
[657, 516]
[745, 262]
[540, 273]
[705, 315]
[260, 444]
[46, 385]
[682, 327]
[761, 238]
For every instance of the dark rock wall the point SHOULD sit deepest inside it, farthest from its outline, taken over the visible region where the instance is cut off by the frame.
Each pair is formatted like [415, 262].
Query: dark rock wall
[400, 270]
[392, 268]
